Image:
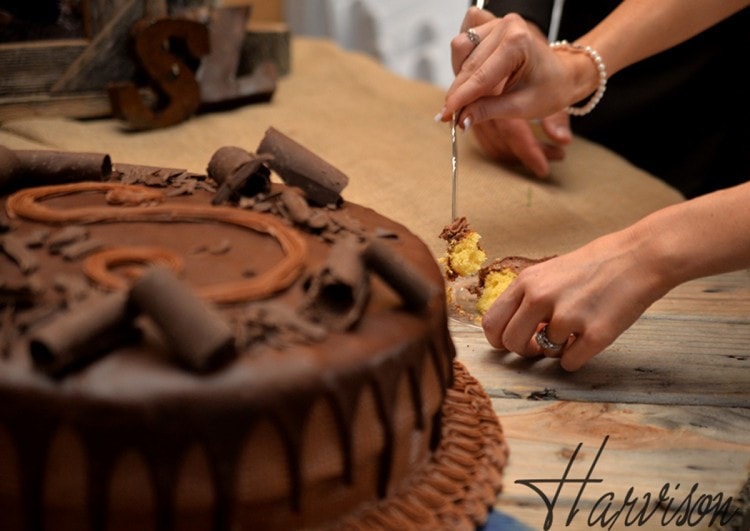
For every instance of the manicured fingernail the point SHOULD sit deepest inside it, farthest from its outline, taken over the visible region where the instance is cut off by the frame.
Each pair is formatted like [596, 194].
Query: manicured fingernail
[439, 116]
[467, 123]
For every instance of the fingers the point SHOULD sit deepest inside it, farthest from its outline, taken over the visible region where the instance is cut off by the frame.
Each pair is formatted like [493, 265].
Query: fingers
[478, 68]
[461, 45]
[475, 17]
[514, 141]
[495, 321]
[532, 326]
[557, 127]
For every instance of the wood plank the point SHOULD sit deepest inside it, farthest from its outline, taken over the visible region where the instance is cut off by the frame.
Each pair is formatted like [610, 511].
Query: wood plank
[656, 361]
[266, 42]
[35, 67]
[80, 105]
[106, 59]
[648, 446]
[665, 358]
[97, 13]
[709, 298]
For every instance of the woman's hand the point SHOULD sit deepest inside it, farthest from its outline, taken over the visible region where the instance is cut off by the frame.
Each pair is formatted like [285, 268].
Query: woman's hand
[513, 140]
[512, 72]
[586, 298]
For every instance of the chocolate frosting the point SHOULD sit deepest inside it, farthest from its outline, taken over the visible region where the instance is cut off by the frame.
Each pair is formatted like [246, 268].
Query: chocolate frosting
[136, 399]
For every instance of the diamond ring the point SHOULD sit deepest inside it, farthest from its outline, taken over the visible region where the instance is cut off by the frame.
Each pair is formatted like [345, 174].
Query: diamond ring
[544, 342]
[473, 37]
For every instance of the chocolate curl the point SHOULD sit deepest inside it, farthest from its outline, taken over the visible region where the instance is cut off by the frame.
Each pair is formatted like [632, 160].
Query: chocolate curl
[83, 334]
[16, 249]
[27, 168]
[195, 332]
[338, 293]
[298, 166]
[237, 171]
[414, 290]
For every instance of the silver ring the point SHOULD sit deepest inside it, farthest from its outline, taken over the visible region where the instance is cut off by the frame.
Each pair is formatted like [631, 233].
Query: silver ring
[544, 342]
[473, 37]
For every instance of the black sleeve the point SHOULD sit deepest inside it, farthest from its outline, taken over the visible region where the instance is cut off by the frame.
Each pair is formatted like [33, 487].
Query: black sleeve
[537, 11]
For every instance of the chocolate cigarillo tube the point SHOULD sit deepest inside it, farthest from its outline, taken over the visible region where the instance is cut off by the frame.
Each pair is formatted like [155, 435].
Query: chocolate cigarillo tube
[26, 168]
[298, 166]
[197, 334]
[399, 274]
[82, 334]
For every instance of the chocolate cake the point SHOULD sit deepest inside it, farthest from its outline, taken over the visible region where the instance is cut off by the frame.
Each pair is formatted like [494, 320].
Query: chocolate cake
[243, 349]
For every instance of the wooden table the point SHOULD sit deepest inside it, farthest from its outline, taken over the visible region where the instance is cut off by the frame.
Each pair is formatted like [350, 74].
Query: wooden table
[671, 398]
[668, 404]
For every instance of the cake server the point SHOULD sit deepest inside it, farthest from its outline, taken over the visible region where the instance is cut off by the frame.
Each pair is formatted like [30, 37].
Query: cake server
[454, 165]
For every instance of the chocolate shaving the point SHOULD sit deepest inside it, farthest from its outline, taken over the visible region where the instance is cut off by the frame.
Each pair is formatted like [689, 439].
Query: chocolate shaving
[7, 330]
[238, 172]
[37, 238]
[298, 166]
[295, 206]
[5, 225]
[21, 293]
[337, 294]
[414, 290]
[73, 287]
[27, 168]
[196, 333]
[222, 247]
[16, 249]
[151, 175]
[66, 236]
[78, 250]
[274, 318]
[82, 334]
[318, 220]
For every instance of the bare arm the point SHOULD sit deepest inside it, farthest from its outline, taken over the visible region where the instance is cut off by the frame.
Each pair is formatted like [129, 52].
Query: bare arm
[512, 74]
[589, 296]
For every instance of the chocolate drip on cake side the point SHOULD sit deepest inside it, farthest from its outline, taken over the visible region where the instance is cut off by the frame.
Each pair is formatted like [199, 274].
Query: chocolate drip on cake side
[220, 430]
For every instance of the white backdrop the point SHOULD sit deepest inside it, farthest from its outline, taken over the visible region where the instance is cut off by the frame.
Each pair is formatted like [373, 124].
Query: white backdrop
[409, 37]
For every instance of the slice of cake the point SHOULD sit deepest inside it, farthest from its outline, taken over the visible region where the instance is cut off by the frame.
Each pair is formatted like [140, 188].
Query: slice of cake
[472, 286]
[464, 256]
[494, 278]
[227, 351]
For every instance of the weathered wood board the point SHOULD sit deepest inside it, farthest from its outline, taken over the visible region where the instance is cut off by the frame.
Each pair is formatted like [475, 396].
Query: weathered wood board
[667, 408]
[69, 77]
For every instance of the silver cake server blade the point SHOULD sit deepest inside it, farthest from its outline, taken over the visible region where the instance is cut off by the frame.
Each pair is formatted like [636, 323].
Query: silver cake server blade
[454, 164]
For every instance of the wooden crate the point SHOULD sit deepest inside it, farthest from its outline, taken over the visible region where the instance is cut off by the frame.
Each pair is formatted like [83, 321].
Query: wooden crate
[69, 77]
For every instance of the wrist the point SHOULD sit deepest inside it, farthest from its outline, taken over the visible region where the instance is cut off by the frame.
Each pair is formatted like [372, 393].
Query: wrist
[588, 74]
[659, 250]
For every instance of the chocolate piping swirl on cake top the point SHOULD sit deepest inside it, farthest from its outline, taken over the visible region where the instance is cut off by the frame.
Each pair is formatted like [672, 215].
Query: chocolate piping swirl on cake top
[28, 204]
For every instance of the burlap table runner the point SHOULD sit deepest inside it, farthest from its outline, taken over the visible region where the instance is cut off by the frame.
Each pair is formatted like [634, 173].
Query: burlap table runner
[378, 128]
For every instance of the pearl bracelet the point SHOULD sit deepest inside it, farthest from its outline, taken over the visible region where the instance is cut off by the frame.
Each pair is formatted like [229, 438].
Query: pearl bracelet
[597, 59]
